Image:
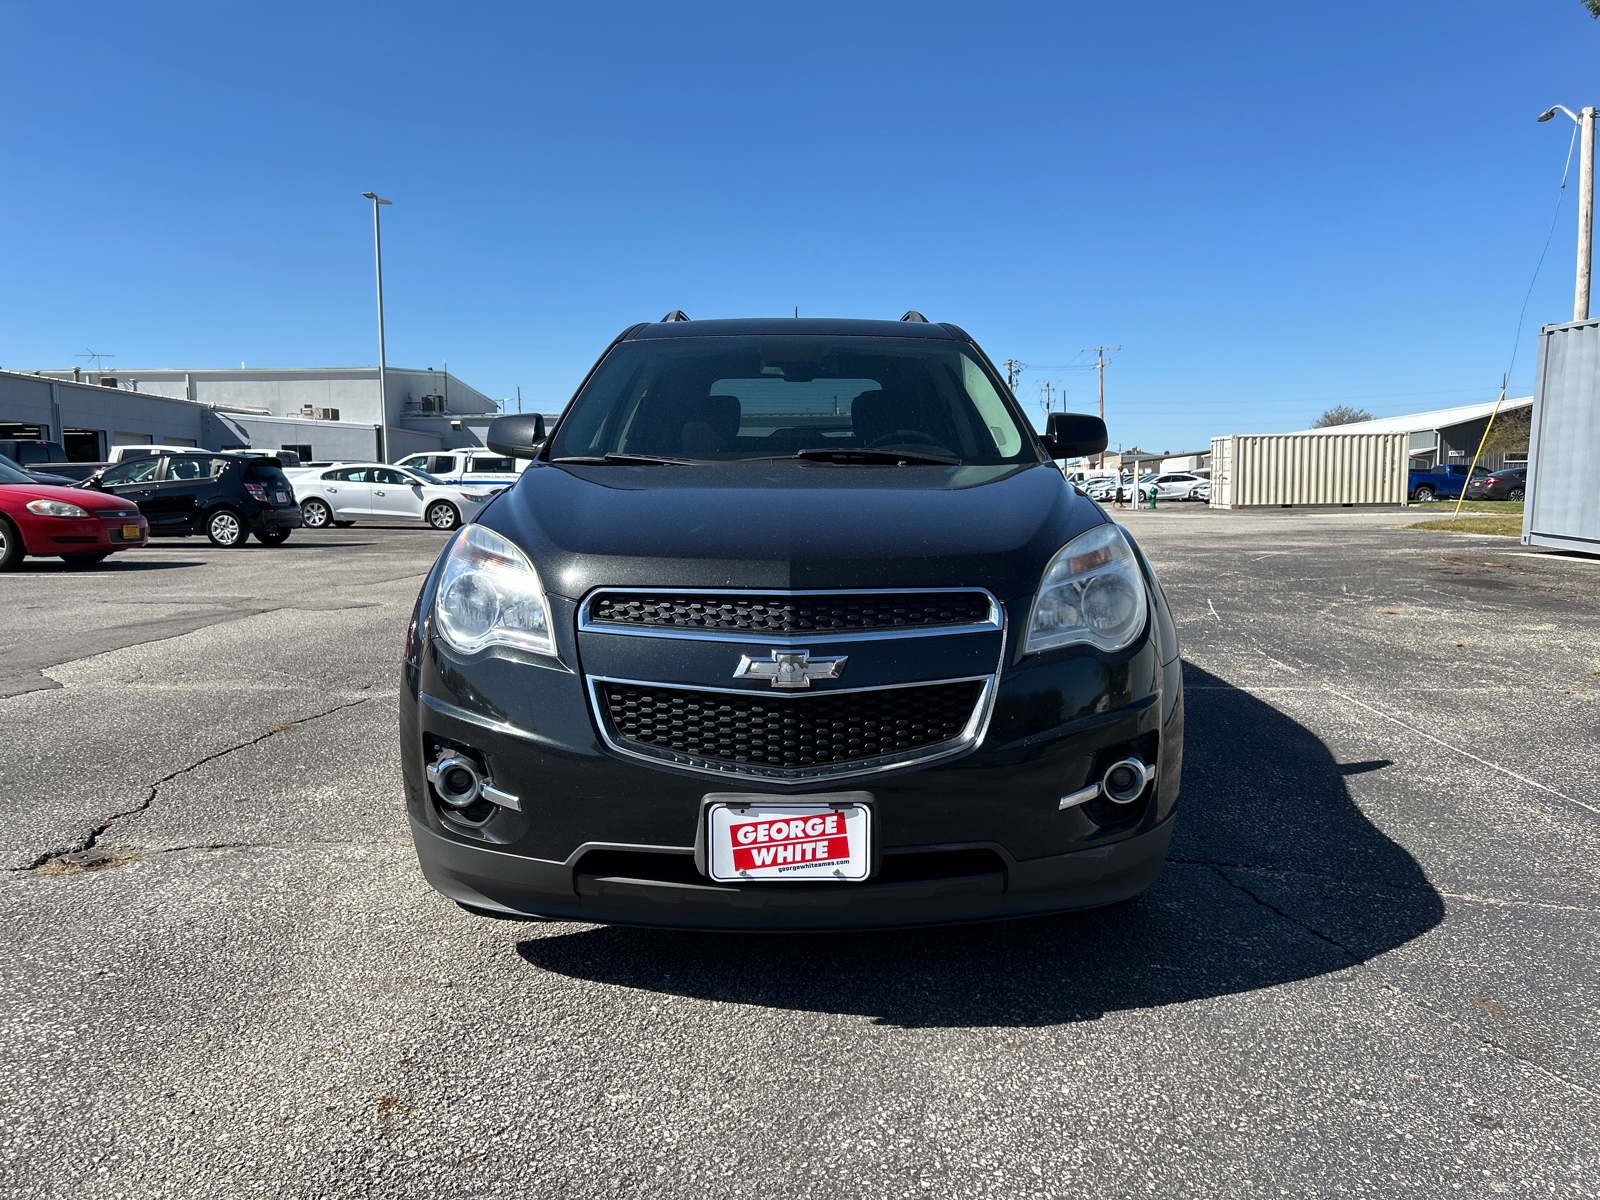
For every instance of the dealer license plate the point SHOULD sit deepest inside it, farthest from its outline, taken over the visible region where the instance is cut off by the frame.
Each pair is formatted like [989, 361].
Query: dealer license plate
[130, 533]
[281, 497]
[784, 842]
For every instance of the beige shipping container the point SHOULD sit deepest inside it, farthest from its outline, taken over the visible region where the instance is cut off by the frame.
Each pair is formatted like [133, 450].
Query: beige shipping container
[1284, 469]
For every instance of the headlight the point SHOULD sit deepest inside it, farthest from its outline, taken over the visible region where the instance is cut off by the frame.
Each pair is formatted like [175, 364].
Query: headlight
[490, 595]
[56, 508]
[1092, 591]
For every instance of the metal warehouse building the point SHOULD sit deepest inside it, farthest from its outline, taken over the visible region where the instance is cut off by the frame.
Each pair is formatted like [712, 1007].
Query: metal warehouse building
[1445, 436]
[320, 412]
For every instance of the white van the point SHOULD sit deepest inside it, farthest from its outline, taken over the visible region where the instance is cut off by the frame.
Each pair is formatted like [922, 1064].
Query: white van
[473, 469]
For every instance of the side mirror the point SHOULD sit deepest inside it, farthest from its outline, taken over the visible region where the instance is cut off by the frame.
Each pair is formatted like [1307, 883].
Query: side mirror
[1070, 434]
[518, 436]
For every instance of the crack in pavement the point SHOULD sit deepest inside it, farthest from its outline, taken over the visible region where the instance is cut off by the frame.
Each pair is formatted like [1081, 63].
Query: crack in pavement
[1490, 1043]
[88, 841]
[1356, 960]
[1270, 907]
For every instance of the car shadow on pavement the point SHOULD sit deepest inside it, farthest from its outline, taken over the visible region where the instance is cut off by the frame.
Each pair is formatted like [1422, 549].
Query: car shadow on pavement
[1274, 875]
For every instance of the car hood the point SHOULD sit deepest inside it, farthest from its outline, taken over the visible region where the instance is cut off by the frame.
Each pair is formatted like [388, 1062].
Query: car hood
[18, 494]
[791, 525]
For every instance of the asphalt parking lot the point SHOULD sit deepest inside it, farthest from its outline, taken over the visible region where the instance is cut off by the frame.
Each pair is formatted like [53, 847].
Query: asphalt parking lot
[1370, 969]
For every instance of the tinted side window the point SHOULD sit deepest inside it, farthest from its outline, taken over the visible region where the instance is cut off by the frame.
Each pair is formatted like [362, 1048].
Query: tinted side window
[390, 477]
[480, 463]
[442, 463]
[194, 468]
[136, 471]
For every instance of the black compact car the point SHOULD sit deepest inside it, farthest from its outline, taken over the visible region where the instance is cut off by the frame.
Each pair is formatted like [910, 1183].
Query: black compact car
[227, 497]
[1508, 484]
[791, 624]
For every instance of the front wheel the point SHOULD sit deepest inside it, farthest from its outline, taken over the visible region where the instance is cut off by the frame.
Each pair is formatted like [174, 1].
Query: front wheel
[315, 514]
[225, 528]
[11, 552]
[1515, 494]
[1424, 494]
[443, 515]
[90, 559]
[273, 537]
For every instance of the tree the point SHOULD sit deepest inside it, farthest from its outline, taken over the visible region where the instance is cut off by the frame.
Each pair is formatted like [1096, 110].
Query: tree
[1593, 6]
[1511, 429]
[1343, 414]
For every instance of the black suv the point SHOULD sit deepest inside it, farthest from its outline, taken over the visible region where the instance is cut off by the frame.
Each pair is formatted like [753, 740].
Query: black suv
[227, 497]
[791, 624]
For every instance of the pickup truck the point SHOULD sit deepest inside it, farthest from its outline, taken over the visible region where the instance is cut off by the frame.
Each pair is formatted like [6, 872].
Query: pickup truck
[1443, 482]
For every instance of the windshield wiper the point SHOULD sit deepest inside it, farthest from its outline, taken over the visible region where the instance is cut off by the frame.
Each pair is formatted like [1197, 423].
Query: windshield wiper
[625, 460]
[874, 454]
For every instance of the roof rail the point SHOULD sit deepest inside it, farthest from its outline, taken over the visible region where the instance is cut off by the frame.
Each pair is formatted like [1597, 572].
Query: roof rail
[676, 314]
[913, 315]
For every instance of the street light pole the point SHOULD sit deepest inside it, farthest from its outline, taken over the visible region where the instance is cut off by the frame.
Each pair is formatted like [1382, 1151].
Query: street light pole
[1585, 123]
[383, 365]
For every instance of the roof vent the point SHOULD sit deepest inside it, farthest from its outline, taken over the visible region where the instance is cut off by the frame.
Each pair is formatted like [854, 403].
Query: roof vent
[913, 315]
[676, 314]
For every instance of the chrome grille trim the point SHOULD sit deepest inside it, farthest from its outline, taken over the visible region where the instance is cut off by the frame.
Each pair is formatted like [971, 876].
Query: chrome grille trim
[587, 623]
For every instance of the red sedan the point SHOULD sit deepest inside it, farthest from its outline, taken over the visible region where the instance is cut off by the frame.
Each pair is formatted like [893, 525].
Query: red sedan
[74, 524]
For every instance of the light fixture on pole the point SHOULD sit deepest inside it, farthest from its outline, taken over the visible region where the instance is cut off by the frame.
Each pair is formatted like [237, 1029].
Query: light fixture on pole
[1585, 124]
[383, 380]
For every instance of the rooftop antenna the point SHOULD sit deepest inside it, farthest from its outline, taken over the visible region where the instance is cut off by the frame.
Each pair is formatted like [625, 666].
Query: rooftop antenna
[94, 358]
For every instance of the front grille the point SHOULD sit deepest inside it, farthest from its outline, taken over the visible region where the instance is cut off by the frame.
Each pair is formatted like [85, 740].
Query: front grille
[789, 732]
[780, 614]
[117, 514]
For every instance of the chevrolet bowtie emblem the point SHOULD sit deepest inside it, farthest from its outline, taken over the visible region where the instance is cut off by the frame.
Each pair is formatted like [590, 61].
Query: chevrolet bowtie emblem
[790, 668]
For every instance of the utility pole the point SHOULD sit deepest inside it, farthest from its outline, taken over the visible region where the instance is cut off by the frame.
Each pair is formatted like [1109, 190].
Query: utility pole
[1585, 123]
[1100, 365]
[1580, 298]
[1014, 370]
[1047, 384]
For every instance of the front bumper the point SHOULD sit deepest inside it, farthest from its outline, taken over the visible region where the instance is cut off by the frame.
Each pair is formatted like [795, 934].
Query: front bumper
[598, 836]
[42, 536]
[495, 881]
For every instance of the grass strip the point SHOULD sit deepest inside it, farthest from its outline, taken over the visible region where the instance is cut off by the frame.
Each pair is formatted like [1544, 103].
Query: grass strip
[1501, 526]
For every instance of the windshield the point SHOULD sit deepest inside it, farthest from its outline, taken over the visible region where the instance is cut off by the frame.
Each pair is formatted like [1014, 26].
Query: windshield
[9, 472]
[714, 399]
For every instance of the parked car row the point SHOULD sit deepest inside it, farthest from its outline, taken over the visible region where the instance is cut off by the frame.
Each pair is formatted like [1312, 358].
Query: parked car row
[1174, 485]
[228, 497]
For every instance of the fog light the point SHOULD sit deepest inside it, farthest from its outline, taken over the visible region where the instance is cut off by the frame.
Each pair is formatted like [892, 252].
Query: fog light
[1125, 780]
[456, 780]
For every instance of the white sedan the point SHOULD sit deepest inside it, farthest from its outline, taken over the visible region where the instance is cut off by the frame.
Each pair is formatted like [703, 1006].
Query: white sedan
[1178, 485]
[348, 492]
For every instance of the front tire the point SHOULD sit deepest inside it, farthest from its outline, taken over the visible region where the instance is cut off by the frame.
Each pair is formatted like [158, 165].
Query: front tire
[91, 559]
[226, 528]
[442, 515]
[273, 537]
[11, 551]
[315, 514]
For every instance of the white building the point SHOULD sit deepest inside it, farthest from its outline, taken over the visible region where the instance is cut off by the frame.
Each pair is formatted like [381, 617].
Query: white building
[321, 412]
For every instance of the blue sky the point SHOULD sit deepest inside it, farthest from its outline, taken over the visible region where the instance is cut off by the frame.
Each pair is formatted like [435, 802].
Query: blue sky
[1271, 207]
